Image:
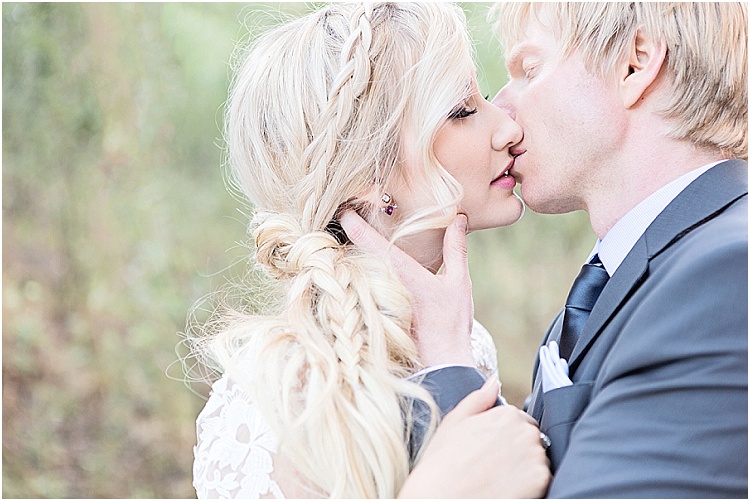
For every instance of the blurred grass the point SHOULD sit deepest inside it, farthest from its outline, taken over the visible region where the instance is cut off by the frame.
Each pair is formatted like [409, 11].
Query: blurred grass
[116, 220]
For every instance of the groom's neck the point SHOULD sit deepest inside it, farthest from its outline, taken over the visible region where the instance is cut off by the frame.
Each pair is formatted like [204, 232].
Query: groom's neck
[637, 173]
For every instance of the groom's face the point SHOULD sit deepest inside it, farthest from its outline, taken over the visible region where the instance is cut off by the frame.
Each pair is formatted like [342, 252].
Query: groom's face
[569, 120]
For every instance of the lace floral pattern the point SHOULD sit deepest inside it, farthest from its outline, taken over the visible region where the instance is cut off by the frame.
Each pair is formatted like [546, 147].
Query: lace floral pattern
[483, 349]
[233, 458]
[234, 455]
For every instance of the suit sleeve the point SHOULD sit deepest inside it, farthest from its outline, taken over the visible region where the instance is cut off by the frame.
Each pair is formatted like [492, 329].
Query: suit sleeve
[449, 385]
[669, 415]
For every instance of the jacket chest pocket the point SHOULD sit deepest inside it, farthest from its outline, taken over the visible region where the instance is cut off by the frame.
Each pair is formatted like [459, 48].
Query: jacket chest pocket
[562, 408]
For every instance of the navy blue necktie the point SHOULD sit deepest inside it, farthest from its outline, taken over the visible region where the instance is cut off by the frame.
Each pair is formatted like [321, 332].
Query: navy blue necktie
[583, 294]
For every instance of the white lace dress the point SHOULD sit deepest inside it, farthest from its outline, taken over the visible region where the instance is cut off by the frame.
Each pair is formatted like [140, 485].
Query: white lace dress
[234, 457]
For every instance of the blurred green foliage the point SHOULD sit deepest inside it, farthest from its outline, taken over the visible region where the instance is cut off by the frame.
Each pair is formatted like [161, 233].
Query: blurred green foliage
[116, 221]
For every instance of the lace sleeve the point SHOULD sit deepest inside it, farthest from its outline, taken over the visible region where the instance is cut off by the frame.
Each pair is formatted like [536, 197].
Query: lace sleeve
[234, 457]
[485, 352]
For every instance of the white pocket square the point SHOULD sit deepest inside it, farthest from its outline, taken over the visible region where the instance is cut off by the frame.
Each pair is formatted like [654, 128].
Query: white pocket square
[554, 368]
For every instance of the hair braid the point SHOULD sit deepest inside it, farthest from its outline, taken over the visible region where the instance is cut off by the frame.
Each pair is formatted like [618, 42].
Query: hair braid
[330, 296]
[337, 118]
[339, 308]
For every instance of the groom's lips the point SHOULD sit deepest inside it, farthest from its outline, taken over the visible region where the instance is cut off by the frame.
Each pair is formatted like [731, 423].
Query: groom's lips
[516, 151]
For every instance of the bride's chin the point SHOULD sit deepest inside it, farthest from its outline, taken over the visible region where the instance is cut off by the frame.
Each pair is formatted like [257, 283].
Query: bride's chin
[513, 210]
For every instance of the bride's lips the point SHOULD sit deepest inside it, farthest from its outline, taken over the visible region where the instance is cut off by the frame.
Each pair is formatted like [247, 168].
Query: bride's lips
[505, 179]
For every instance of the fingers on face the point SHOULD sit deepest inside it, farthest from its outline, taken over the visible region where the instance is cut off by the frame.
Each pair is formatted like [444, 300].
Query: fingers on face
[455, 250]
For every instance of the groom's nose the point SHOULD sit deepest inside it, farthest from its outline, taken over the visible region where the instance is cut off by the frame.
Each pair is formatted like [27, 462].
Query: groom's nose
[501, 102]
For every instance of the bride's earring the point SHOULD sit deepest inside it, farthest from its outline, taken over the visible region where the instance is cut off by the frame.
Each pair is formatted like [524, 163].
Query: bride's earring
[390, 205]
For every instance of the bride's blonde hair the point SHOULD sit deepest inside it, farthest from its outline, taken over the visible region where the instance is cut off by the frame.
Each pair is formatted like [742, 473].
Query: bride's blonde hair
[316, 120]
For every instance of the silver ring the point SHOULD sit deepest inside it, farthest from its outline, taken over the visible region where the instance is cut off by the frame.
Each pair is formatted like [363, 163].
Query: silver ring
[546, 442]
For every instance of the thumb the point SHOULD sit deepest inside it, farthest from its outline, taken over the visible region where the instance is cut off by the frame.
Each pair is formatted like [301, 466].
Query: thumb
[455, 254]
[477, 401]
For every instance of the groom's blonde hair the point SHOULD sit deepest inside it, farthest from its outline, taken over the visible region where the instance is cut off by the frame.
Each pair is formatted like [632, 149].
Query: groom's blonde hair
[706, 63]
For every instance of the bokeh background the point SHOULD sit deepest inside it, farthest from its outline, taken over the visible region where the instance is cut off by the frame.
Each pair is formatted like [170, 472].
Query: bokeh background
[116, 220]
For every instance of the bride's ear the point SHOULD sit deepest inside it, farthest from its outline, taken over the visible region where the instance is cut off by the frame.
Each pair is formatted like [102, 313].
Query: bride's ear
[368, 197]
[639, 71]
[361, 204]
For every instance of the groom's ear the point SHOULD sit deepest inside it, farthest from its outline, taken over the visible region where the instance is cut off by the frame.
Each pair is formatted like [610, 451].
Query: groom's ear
[638, 73]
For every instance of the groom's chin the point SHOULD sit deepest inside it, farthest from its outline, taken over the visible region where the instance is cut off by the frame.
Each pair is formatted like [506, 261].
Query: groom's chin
[545, 201]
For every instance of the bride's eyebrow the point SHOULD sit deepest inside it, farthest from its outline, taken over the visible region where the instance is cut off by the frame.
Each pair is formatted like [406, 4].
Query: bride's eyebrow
[467, 89]
[472, 82]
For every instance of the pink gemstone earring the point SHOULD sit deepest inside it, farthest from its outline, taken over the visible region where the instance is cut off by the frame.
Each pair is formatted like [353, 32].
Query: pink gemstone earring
[390, 205]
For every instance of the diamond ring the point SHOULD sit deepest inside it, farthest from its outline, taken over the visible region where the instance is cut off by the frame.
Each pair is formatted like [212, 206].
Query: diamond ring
[546, 442]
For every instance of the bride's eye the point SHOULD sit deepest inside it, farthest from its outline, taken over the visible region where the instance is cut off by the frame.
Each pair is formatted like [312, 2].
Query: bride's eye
[460, 112]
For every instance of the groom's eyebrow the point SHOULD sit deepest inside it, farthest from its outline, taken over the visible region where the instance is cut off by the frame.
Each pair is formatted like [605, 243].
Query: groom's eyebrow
[513, 58]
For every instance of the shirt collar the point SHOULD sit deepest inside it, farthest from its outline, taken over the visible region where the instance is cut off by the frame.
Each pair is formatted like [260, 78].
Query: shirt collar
[620, 239]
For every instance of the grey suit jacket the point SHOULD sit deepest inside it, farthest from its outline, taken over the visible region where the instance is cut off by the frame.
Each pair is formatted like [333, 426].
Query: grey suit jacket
[659, 404]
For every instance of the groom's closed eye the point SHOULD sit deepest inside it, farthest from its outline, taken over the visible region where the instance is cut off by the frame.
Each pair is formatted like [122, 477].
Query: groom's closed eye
[530, 70]
[522, 61]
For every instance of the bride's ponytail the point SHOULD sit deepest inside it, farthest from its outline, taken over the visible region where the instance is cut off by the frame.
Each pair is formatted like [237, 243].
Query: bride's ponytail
[339, 357]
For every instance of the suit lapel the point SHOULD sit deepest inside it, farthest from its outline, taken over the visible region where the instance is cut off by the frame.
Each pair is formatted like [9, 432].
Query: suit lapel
[702, 200]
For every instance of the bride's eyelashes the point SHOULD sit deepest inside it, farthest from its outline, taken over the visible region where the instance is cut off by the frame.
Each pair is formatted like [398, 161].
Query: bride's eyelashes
[461, 111]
